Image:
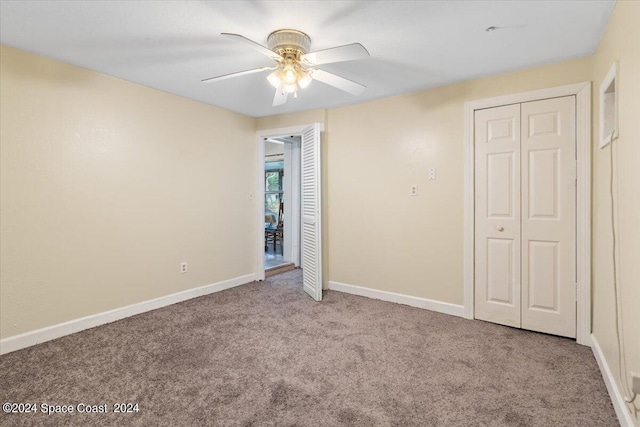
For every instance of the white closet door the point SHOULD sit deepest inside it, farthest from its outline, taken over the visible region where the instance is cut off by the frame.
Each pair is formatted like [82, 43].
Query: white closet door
[549, 216]
[311, 220]
[497, 205]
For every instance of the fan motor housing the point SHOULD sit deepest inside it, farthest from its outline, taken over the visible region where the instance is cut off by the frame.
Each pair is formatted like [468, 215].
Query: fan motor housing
[289, 43]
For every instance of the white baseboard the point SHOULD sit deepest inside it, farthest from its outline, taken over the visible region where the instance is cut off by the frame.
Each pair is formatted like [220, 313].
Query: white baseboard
[619, 404]
[49, 333]
[439, 306]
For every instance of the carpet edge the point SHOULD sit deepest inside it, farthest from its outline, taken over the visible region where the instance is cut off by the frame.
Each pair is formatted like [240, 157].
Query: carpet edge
[48, 333]
[424, 303]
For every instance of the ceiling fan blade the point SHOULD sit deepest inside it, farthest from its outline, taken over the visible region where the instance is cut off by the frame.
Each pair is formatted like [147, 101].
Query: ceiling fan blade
[280, 97]
[339, 82]
[257, 46]
[347, 52]
[236, 74]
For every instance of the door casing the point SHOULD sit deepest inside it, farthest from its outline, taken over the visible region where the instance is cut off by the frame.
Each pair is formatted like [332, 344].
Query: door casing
[582, 92]
[292, 209]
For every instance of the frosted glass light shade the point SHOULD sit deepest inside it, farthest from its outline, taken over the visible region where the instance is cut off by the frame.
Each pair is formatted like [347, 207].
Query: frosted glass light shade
[274, 79]
[304, 81]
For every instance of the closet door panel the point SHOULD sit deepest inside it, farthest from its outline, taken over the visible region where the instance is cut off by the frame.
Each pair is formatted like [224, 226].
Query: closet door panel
[497, 226]
[548, 166]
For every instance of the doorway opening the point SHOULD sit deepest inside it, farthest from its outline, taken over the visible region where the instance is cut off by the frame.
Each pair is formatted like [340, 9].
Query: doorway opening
[302, 240]
[281, 203]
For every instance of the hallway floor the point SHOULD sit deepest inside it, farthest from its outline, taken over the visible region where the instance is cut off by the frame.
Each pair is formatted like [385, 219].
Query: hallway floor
[273, 259]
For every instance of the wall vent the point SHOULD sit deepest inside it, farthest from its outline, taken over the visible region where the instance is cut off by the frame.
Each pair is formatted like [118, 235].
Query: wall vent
[609, 107]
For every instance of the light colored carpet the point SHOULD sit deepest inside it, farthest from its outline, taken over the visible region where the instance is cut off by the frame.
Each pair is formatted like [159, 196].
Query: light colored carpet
[265, 354]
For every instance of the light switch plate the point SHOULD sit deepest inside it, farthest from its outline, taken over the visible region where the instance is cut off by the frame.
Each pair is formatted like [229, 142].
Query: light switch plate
[432, 173]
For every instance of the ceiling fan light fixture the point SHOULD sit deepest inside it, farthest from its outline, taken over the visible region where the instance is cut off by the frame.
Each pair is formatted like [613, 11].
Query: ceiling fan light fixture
[290, 75]
[290, 45]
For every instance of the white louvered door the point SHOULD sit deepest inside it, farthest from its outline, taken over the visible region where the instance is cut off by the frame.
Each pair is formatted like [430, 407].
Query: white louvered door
[525, 215]
[311, 208]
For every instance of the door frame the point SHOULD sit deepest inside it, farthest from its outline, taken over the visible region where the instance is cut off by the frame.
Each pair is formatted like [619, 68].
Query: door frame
[292, 192]
[261, 135]
[582, 92]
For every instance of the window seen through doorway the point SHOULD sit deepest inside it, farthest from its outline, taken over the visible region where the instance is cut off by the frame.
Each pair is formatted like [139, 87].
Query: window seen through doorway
[274, 188]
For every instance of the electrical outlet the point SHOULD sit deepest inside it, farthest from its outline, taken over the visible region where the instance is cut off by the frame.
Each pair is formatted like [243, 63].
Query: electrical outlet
[183, 267]
[432, 173]
[414, 190]
[635, 383]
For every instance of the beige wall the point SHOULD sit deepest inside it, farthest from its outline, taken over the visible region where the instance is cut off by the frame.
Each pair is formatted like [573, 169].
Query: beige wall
[107, 186]
[380, 237]
[294, 119]
[620, 42]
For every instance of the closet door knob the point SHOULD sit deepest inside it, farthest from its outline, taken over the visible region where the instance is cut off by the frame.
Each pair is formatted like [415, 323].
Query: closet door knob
[499, 228]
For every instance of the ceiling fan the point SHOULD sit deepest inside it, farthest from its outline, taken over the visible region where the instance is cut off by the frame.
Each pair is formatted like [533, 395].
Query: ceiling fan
[296, 66]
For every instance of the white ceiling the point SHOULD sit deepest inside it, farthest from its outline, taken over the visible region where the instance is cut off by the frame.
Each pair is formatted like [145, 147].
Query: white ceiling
[414, 45]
